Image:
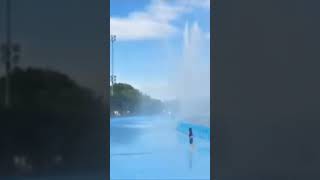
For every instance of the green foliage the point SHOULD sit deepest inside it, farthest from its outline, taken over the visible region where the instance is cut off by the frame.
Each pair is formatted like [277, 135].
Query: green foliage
[45, 89]
[51, 115]
[126, 98]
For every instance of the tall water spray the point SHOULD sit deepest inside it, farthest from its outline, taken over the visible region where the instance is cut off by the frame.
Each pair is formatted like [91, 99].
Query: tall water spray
[193, 76]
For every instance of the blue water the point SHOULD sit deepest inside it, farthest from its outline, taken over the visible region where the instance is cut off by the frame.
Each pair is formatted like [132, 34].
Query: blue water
[157, 148]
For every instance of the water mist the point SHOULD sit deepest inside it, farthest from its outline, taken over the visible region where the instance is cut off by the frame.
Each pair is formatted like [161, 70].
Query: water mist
[192, 78]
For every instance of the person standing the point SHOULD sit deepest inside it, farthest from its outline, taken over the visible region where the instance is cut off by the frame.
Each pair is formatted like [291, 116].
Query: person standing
[191, 137]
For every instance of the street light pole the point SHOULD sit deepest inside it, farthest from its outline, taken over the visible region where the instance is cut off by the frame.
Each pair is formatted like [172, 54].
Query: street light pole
[113, 39]
[7, 55]
[10, 54]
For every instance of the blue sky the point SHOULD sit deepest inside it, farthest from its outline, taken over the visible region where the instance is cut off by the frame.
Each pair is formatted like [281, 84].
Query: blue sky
[150, 40]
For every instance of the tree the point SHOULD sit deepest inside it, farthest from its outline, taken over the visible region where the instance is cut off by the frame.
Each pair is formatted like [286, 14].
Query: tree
[126, 98]
[51, 116]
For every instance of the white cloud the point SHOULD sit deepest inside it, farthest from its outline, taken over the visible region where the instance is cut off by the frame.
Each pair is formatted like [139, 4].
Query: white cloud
[152, 23]
[155, 21]
[138, 29]
[196, 3]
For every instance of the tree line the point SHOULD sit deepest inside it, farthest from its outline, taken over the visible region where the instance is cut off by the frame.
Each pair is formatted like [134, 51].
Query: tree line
[126, 100]
[52, 125]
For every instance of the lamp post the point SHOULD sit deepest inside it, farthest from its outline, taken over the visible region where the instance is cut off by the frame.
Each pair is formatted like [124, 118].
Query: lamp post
[113, 78]
[7, 54]
[10, 54]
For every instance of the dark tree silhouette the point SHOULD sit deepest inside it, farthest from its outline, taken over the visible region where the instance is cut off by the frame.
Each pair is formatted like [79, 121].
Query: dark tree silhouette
[54, 123]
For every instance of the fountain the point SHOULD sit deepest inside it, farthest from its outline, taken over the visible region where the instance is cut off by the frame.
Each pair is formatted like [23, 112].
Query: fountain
[192, 86]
